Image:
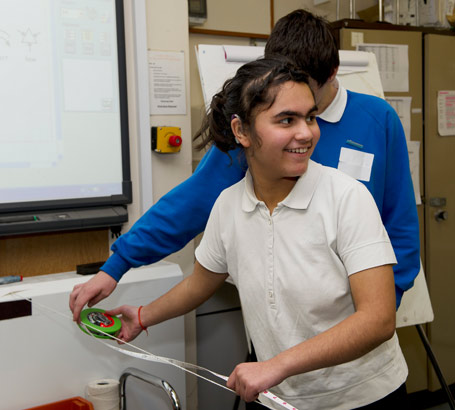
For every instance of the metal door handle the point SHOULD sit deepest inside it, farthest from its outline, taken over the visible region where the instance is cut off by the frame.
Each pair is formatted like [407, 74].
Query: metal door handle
[441, 215]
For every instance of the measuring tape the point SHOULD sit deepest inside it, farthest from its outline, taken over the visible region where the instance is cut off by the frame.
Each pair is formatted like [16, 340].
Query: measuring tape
[99, 325]
[188, 367]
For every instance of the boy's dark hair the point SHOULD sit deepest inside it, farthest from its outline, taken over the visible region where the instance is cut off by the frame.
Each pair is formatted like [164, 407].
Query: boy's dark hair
[308, 41]
[252, 86]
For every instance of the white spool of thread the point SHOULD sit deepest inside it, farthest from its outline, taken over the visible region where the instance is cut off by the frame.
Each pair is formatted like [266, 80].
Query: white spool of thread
[104, 394]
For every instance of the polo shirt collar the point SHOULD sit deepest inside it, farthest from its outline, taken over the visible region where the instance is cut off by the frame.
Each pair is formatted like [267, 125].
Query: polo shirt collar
[298, 198]
[249, 200]
[335, 110]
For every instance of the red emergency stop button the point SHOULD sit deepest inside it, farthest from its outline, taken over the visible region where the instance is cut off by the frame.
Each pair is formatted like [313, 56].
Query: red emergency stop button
[175, 140]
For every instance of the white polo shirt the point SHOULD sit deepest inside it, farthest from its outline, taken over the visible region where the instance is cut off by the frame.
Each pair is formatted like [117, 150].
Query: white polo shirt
[291, 269]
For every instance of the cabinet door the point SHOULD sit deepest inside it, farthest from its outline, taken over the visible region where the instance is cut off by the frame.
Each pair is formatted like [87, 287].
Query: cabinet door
[221, 345]
[440, 183]
[413, 39]
[410, 342]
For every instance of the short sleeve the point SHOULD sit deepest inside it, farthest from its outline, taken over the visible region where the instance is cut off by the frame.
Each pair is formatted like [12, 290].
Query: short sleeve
[211, 252]
[362, 241]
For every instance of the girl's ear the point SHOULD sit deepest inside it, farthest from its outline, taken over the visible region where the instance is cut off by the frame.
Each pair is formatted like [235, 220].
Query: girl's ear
[241, 137]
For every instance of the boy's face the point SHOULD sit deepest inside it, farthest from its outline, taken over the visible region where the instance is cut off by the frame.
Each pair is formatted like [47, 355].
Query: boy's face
[285, 134]
[323, 94]
[318, 90]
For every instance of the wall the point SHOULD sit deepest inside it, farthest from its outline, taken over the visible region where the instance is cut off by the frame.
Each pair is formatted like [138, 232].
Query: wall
[162, 26]
[167, 29]
[253, 16]
[327, 10]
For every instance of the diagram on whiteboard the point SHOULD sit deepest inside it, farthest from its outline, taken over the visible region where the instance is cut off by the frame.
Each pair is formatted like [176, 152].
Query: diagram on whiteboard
[29, 38]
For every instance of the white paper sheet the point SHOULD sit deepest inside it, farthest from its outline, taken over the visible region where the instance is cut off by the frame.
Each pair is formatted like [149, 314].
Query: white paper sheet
[446, 113]
[214, 70]
[415, 308]
[402, 106]
[414, 164]
[429, 13]
[167, 82]
[361, 79]
[357, 164]
[393, 65]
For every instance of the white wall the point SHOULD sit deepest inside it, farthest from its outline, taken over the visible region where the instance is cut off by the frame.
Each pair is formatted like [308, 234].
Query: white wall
[159, 25]
[165, 27]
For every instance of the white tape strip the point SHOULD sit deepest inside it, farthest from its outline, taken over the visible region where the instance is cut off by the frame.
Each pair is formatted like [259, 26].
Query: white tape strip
[144, 355]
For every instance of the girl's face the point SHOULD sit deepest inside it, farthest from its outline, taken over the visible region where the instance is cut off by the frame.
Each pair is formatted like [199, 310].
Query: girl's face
[287, 133]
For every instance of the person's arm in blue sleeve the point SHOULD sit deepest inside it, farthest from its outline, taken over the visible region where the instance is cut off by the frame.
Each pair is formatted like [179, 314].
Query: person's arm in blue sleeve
[166, 227]
[399, 213]
[177, 217]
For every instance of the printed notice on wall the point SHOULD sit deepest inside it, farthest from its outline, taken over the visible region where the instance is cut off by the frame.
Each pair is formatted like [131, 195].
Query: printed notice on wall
[393, 65]
[167, 83]
[446, 113]
[402, 106]
[414, 164]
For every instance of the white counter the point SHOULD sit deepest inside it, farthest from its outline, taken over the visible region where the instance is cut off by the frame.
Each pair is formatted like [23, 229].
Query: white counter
[45, 357]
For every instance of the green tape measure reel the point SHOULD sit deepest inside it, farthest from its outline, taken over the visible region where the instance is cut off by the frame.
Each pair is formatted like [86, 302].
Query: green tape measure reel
[97, 319]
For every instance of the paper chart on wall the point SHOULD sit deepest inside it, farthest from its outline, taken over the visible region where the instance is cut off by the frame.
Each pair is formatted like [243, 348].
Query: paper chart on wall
[167, 82]
[402, 106]
[446, 113]
[393, 65]
[414, 164]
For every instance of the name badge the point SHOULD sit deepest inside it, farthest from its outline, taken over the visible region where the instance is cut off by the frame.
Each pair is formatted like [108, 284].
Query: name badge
[356, 164]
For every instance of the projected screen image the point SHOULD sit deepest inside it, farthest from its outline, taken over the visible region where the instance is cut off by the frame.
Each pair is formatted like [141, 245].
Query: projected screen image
[61, 110]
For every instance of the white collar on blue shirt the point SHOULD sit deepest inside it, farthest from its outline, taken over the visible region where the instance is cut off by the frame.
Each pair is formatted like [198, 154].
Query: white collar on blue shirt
[335, 110]
[298, 198]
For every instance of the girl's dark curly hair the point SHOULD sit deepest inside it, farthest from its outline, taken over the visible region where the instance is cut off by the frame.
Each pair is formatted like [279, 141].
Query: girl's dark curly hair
[254, 86]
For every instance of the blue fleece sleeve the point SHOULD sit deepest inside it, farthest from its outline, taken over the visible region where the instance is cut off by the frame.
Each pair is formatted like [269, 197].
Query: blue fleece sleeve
[399, 212]
[178, 216]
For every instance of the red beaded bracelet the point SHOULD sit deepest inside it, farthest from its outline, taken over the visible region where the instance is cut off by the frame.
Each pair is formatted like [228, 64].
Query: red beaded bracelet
[140, 322]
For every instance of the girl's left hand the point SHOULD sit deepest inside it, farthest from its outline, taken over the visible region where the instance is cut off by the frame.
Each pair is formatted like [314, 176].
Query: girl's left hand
[130, 322]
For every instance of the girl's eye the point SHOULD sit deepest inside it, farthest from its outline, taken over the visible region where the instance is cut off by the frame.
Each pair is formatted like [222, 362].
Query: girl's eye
[286, 120]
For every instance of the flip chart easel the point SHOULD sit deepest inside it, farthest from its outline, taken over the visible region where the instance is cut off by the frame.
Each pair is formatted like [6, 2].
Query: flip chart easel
[358, 70]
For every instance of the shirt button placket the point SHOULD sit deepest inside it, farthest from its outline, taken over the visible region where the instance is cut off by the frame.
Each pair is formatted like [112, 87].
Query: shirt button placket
[270, 273]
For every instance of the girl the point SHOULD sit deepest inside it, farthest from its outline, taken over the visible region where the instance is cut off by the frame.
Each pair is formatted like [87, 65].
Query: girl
[306, 248]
